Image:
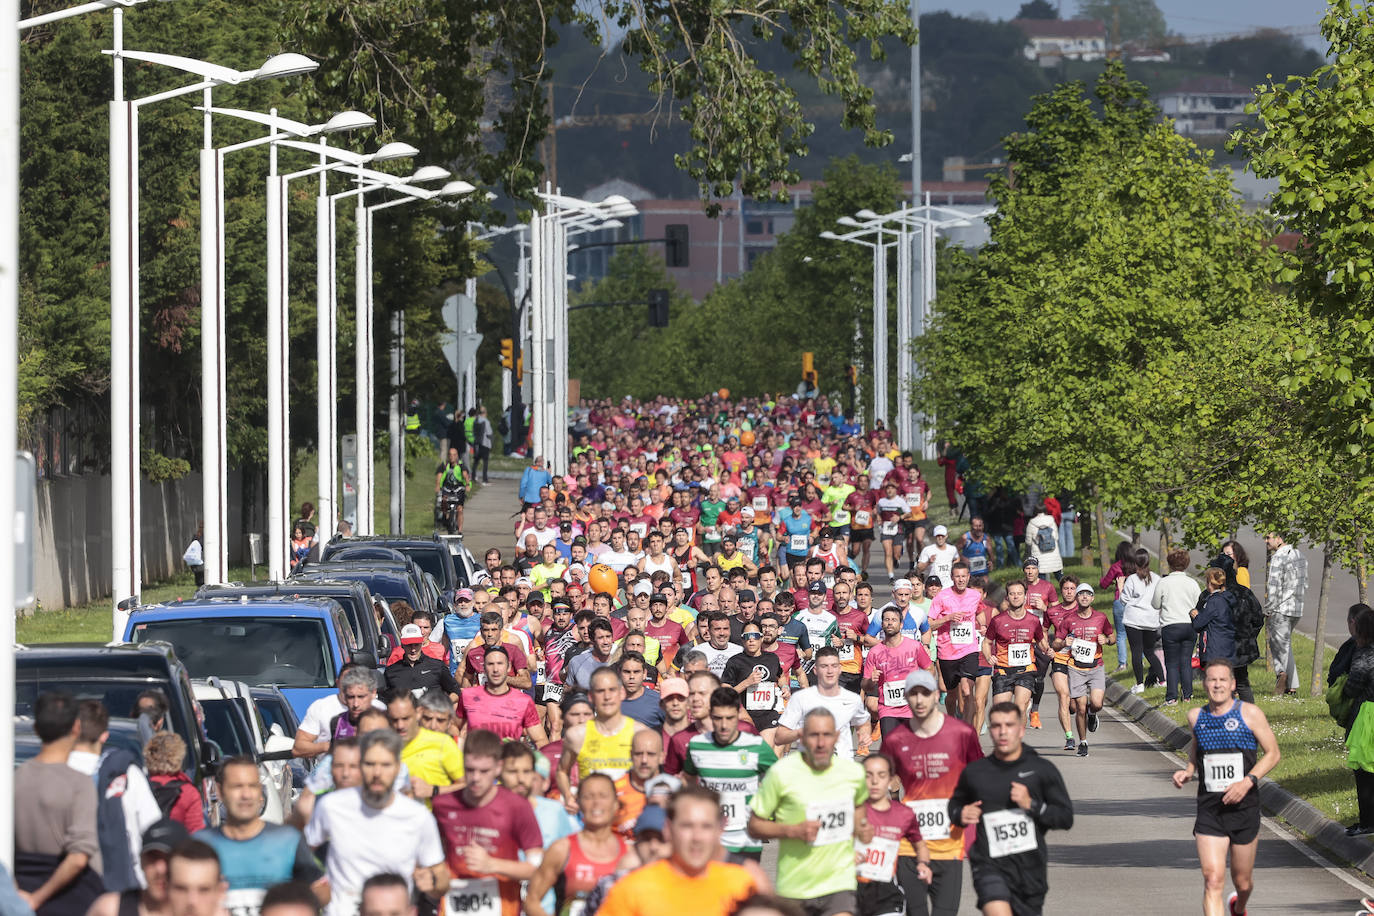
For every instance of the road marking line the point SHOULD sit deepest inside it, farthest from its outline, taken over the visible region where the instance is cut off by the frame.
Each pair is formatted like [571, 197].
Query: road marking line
[1282, 832]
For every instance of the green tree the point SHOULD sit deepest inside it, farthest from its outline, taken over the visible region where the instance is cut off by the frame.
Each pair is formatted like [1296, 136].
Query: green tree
[1127, 21]
[1038, 9]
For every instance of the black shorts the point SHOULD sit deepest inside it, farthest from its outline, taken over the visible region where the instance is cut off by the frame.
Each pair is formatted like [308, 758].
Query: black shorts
[953, 669]
[859, 535]
[828, 904]
[1238, 823]
[880, 898]
[740, 856]
[1059, 668]
[941, 896]
[1004, 681]
[852, 682]
[909, 527]
[991, 884]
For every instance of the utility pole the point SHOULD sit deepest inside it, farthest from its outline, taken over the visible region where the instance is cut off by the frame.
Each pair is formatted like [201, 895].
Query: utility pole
[918, 280]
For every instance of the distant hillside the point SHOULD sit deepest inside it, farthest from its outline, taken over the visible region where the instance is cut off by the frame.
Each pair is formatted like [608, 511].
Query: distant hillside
[977, 89]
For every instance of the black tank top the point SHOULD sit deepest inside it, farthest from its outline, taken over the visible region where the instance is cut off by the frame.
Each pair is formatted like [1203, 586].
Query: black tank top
[128, 902]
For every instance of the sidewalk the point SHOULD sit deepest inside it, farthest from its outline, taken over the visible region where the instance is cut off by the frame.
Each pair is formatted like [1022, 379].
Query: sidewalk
[489, 518]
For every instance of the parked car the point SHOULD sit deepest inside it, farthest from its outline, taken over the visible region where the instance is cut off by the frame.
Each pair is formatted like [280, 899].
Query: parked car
[295, 644]
[434, 555]
[277, 712]
[233, 721]
[124, 734]
[116, 675]
[352, 596]
[392, 582]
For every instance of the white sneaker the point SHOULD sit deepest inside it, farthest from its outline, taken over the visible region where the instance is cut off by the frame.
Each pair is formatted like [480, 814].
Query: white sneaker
[1138, 689]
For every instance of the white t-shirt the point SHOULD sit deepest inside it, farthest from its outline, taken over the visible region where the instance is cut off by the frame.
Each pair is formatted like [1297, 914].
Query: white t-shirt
[141, 809]
[877, 470]
[941, 562]
[847, 707]
[716, 658]
[619, 560]
[367, 841]
[547, 536]
[816, 624]
[321, 712]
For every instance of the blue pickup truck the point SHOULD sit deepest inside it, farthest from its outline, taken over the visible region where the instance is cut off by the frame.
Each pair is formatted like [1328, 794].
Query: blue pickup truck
[295, 644]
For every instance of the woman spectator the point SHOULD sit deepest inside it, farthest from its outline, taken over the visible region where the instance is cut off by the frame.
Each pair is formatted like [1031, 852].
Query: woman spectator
[1175, 598]
[1141, 619]
[1122, 566]
[176, 795]
[1359, 689]
[1241, 560]
[1213, 622]
[300, 545]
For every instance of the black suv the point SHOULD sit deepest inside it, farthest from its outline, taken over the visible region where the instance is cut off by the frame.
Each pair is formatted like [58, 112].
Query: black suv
[430, 553]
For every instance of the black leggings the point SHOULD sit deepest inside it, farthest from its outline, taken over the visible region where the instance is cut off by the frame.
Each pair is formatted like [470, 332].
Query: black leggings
[1364, 793]
[1242, 676]
[1143, 643]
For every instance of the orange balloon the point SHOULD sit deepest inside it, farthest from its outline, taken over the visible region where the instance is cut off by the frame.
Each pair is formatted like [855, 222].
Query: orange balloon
[724, 393]
[746, 438]
[603, 579]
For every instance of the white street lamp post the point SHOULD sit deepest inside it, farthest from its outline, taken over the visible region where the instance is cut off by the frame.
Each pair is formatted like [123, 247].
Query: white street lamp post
[879, 248]
[124, 305]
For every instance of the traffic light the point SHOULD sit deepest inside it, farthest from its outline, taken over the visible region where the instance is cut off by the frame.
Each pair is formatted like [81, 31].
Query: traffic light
[658, 308]
[809, 370]
[676, 251]
[507, 351]
[852, 372]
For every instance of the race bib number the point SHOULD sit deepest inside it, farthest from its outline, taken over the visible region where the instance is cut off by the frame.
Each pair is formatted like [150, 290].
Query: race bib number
[246, 901]
[761, 697]
[474, 897]
[539, 670]
[1008, 832]
[760, 503]
[1220, 770]
[890, 528]
[932, 816]
[877, 860]
[797, 543]
[553, 693]
[962, 633]
[894, 693]
[862, 519]
[1019, 654]
[1084, 651]
[977, 565]
[711, 534]
[639, 528]
[687, 583]
[734, 810]
[836, 820]
[847, 651]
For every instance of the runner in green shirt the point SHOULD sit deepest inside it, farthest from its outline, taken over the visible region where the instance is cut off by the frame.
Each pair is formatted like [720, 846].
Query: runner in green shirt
[812, 803]
[731, 763]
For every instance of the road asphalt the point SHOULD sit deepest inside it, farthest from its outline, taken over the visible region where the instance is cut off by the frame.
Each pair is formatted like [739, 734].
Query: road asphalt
[1131, 848]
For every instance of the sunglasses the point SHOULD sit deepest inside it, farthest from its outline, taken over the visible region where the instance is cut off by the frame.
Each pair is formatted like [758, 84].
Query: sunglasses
[751, 636]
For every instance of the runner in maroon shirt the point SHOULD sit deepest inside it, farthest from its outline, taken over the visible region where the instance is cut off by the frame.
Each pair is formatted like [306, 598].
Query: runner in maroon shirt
[878, 891]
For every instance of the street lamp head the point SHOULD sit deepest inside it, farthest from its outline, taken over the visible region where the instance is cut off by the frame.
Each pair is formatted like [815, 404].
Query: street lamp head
[456, 188]
[827, 234]
[393, 150]
[866, 214]
[612, 224]
[904, 157]
[347, 120]
[616, 201]
[288, 64]
[848, 221]
[428, 173]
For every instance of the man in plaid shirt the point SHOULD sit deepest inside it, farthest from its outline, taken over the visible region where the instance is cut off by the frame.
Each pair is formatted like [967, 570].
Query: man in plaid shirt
[1285, 592]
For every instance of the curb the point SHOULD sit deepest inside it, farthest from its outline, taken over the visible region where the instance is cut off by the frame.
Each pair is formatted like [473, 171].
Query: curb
[1276, 800]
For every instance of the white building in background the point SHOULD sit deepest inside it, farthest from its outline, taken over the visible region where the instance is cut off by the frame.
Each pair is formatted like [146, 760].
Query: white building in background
[1051, 40]
[1206, 106]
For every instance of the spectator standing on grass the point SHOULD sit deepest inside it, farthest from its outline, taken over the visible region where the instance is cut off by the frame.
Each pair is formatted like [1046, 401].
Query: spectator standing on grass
[1141, 618]
[1359, 690]
[1285, 587]
[1240, 558]
[1175, 597]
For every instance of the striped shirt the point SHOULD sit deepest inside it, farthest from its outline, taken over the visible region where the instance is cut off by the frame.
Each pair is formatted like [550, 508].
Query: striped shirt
[733, 771]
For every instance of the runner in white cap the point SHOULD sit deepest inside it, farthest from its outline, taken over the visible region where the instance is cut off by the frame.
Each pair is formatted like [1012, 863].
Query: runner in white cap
[938, 559]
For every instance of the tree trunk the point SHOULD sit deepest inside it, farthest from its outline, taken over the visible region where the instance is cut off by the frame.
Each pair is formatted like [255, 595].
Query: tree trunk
[1100, 517]
[1164, 544]
[1361, 570]
[1319, 649]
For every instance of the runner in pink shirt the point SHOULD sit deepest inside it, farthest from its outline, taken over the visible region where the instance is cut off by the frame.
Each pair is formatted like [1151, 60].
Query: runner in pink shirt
[498, 707]
[888, 664]
[954, 618]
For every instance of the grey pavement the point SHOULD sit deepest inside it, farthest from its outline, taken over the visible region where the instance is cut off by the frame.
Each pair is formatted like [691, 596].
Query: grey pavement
[1131, 848]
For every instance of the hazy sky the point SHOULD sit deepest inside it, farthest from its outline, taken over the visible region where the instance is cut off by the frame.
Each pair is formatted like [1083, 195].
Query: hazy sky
[1188, 17]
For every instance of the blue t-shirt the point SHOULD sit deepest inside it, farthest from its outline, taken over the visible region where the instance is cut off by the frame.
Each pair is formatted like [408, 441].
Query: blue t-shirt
[910, 628]
[644, 708]
[460, 630]
[794, 525]
[278, 853]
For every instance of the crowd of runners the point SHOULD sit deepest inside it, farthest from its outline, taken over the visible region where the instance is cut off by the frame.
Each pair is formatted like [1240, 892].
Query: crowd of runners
[679, 660]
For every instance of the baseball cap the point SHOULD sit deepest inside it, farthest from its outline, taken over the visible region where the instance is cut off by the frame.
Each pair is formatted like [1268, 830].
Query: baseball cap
[672, 687]
[524, 580]
[464, 594]
[745, 593]
[934, 580]
[939, 530]
[411, 635]
[658, 598]
[575, 587]
[164, 836]
[643, 587]
[902, 583]
[794, 500]
[1083, 588]
[579, 541]
[746, 512]
[1030, 561]
[652, 819]
[816, 588]
[919, 678]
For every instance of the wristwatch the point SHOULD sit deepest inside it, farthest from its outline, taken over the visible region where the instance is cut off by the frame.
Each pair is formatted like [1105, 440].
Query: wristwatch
[434, 792]
[1253, 778]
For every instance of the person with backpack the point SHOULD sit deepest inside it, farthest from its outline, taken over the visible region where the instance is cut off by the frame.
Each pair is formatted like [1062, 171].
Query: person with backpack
[176, 795]
[1042, 541]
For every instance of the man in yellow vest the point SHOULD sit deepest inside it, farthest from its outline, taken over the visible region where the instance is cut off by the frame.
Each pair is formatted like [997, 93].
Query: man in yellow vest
[602, 744]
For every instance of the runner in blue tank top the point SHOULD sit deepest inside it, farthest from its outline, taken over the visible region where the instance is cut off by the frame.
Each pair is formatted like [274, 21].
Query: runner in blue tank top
[1227, 733]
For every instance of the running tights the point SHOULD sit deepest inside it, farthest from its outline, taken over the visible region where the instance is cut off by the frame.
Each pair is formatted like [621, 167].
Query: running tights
[1143, 644]
[1364, 793]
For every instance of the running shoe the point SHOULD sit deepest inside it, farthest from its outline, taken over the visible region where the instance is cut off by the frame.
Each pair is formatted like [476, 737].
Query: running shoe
[1092, 721]
[1231, 905]
[1358, 830]
[1082, 748]
[1069, 743]
[1138, 689]
[1034, 719]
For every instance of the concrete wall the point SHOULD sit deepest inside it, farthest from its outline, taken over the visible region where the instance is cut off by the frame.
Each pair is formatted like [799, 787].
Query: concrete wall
[72, 562]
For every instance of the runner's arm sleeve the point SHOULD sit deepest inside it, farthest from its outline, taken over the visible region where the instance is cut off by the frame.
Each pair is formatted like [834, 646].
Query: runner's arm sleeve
[1055, 810]
[447, 682]
[961, 796]
[305, 868]
[317, 829]
[452, 761]
[430, 851]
